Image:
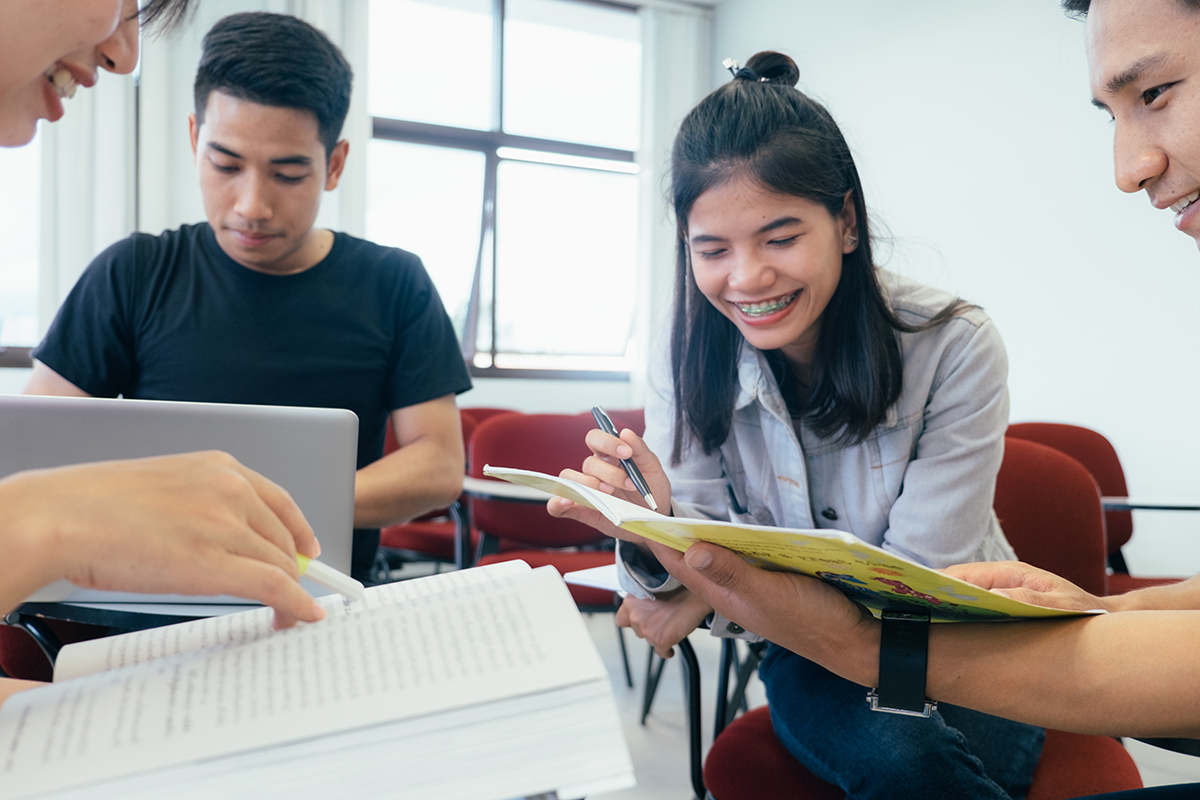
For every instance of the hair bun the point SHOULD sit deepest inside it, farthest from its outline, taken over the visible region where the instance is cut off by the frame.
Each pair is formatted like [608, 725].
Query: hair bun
[774, 68]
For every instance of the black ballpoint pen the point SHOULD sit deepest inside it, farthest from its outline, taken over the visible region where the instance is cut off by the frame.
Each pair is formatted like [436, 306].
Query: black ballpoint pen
[631, 469]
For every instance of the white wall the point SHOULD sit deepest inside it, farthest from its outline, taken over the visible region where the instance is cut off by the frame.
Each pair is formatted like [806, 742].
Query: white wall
[980, 151]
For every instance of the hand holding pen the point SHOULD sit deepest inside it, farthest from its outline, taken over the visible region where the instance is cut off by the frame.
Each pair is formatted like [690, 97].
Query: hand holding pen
[631, 468]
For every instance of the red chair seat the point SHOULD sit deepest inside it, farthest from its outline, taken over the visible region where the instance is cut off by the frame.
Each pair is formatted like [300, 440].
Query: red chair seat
[747, 762]
[433, 538]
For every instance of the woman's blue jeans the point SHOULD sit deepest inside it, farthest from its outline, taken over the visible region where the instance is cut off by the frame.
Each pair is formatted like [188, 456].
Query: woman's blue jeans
[825, 722]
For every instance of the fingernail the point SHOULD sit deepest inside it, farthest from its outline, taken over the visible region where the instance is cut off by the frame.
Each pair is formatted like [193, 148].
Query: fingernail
[625, 451]
[698, 559]
[318, 611]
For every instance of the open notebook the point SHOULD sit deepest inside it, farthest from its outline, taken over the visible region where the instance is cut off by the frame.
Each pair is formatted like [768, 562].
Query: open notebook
[311, 452]
[480, 684]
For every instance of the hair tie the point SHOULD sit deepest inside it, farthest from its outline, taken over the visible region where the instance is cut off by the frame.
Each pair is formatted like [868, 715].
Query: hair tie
[745, 73]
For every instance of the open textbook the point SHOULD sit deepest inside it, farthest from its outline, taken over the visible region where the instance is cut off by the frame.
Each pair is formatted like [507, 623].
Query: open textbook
[482, 683]
[870, 575]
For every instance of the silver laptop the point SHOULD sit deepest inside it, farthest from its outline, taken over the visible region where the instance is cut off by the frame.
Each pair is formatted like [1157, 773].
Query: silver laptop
[311, 452]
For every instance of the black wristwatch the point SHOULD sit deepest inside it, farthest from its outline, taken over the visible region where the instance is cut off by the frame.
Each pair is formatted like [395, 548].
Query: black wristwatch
[903, 657]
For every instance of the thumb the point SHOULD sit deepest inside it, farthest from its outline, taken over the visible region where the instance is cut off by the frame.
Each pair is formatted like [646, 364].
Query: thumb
[719, 566]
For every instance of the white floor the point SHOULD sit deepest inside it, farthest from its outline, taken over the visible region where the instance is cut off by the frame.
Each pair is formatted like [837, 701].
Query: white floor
[660, 751]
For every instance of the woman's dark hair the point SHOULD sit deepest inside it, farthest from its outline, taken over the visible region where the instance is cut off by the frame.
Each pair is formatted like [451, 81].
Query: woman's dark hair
[1079, 8]
[759, 126]
[164, 15]
[276, 60]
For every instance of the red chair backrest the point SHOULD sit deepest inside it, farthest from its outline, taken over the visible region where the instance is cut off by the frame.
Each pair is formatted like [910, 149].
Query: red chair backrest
[632, 418]
[480, 413]
[1049, 508]
[1097, 455]
[546, 443]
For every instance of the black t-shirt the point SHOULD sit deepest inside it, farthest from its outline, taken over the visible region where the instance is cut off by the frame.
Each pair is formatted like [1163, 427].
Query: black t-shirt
[172, 317]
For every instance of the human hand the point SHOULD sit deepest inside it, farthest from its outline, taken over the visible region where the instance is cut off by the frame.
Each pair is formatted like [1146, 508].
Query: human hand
[198, 523]
[1026, 583]
[665, 620]
[805, 615]
[602, 470]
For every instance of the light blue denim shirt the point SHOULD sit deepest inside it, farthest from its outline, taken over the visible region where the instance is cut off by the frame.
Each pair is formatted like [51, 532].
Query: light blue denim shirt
[921, 485]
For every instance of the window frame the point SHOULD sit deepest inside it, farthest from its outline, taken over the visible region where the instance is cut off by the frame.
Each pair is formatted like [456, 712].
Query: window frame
[490, 143]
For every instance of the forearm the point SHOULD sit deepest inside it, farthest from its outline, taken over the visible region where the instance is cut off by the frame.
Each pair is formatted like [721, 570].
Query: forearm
[1116, 674]
[1179, 596]
[411, 481]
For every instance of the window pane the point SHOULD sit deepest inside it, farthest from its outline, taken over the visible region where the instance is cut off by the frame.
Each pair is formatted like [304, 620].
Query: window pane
[431, 62]
[572, 71]
[428, 200]
[20, 239]
[566, 252]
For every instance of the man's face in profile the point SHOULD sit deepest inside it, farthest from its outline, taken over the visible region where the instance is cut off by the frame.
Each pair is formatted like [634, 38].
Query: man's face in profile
[1144, 66]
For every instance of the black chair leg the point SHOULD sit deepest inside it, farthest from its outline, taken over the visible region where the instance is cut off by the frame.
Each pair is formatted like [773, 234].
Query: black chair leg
[624, 656]
[654, 668]
[729, 658]
[691, 683]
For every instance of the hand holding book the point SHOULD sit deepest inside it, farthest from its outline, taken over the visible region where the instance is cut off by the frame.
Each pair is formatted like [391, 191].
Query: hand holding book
[868, 574]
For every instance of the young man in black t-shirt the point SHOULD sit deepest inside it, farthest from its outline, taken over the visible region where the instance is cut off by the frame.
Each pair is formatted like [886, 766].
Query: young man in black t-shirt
[257, 305]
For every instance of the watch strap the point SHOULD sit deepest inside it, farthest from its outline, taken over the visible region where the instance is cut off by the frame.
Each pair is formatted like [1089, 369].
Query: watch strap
[903, 660]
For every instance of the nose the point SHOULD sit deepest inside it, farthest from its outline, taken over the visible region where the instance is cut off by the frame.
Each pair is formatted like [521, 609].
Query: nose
[751, 272]
[119, 52]
[253, 199]
[1137, 161]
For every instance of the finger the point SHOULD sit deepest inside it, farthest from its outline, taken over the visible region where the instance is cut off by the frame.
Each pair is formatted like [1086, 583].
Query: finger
[580, 477]
[605, 444]
[285, 511]
[640, 452]
[611, 476]
[996, 574]
[664, 652]
[256, 580]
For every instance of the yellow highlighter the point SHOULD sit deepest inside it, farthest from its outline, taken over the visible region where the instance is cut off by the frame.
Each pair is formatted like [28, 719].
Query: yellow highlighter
[329, 577]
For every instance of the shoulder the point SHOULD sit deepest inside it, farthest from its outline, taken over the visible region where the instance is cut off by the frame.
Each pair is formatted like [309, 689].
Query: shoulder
[916, 302]
[393, 258]
[148, 251]
[969, 337]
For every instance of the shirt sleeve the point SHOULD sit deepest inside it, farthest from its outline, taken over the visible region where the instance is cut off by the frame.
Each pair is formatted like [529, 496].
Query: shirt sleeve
[428, 361]
[91, 340]
[694, 483]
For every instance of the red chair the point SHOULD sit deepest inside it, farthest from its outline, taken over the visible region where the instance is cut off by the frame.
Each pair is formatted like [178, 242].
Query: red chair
[1098, 455]
[433, 536]
[632, 418]
[480, 413]
[1049, 507]
[546, 443]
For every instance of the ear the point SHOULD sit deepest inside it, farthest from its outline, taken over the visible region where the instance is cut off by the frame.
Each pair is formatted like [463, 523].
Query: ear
[849, 220]
[337, 163]
[194, 132]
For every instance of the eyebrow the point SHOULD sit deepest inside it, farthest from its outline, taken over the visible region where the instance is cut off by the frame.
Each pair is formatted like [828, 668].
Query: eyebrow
[304, 161]
[770, 226]
[1132, 74]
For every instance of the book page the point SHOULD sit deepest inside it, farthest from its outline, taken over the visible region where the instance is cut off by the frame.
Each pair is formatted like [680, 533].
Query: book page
[487, 641]
[870, 575]
[115, 652]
